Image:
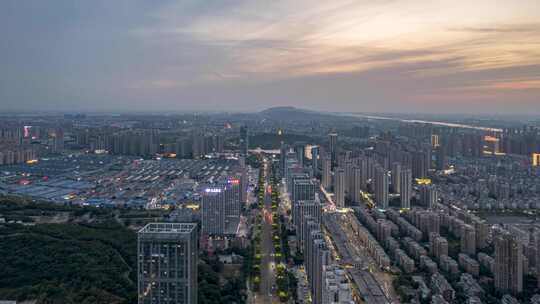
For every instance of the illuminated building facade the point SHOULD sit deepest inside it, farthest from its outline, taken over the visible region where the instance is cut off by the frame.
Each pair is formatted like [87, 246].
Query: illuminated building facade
[536, 159]
[167, 263]
[220, 208]
[213, 211]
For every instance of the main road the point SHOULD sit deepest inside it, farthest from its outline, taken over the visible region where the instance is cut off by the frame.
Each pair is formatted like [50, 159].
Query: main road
[268, 276]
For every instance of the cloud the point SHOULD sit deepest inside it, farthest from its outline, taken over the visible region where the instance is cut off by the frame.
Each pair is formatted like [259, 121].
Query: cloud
[513, 28]
[348, 55]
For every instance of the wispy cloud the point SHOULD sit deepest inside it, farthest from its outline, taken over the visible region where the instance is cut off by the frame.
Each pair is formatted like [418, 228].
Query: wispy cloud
[512, 28]
[383, 53]
[289, 40]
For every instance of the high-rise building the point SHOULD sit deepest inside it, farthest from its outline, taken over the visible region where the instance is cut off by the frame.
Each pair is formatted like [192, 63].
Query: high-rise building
[381, 187]
[333, 142]
[326, 173]
[291, 167]
[468, 240]
[300, 150]
[349, 171]
[315, 159]
[283, 151]
[428, 196]
[167, 263]
[313, 234]
[218, 143]
[213, 211]
[420, 164]
[244, 140]
[301, 211]
[310, 224]
[482, 231]
[364, 173]
[536, 239]
[396, 177]
[220, 208]
[296, 173]
[198, 146]
[439, 246]
[183, 148]
[339, 188]
[405, 188]
[427, 221]
[233, 192]
[318, 257]
[384, 230]
[356, 196]
[58, 144]
[244, 181]
[303, 190]
[508, 263]
[442, 161]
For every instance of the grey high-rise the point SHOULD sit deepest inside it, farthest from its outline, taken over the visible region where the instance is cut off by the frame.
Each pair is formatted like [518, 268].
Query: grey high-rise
[356, 185]
[303, 190]
[339, 188]
[381, 187]
[167, 263]
[508, 263]
[420, 164]
[326, 179]
[428, 196]
[396, 177]
[300, 150]
[315, 159]
[302, 210]
[284, 149]
[405, 187]
[332, 143]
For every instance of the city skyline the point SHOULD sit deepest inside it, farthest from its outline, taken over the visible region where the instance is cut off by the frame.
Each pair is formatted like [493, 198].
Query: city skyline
[384, 56]
[281, 206]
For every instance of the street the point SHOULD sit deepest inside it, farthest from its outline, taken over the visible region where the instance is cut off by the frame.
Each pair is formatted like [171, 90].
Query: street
[268, 277]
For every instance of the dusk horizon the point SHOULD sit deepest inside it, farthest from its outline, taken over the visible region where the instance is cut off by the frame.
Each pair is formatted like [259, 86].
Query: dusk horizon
[244, 56]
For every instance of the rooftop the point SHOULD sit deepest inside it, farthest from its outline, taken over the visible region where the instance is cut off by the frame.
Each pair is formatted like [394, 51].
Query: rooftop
[168, 228]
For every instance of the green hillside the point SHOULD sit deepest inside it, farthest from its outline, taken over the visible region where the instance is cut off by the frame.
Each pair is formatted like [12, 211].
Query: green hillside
[68, 263]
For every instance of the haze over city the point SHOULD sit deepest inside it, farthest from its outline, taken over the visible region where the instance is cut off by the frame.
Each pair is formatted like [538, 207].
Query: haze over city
[241, 56]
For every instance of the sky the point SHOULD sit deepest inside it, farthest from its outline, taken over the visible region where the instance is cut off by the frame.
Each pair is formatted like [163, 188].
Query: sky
[413, 56]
